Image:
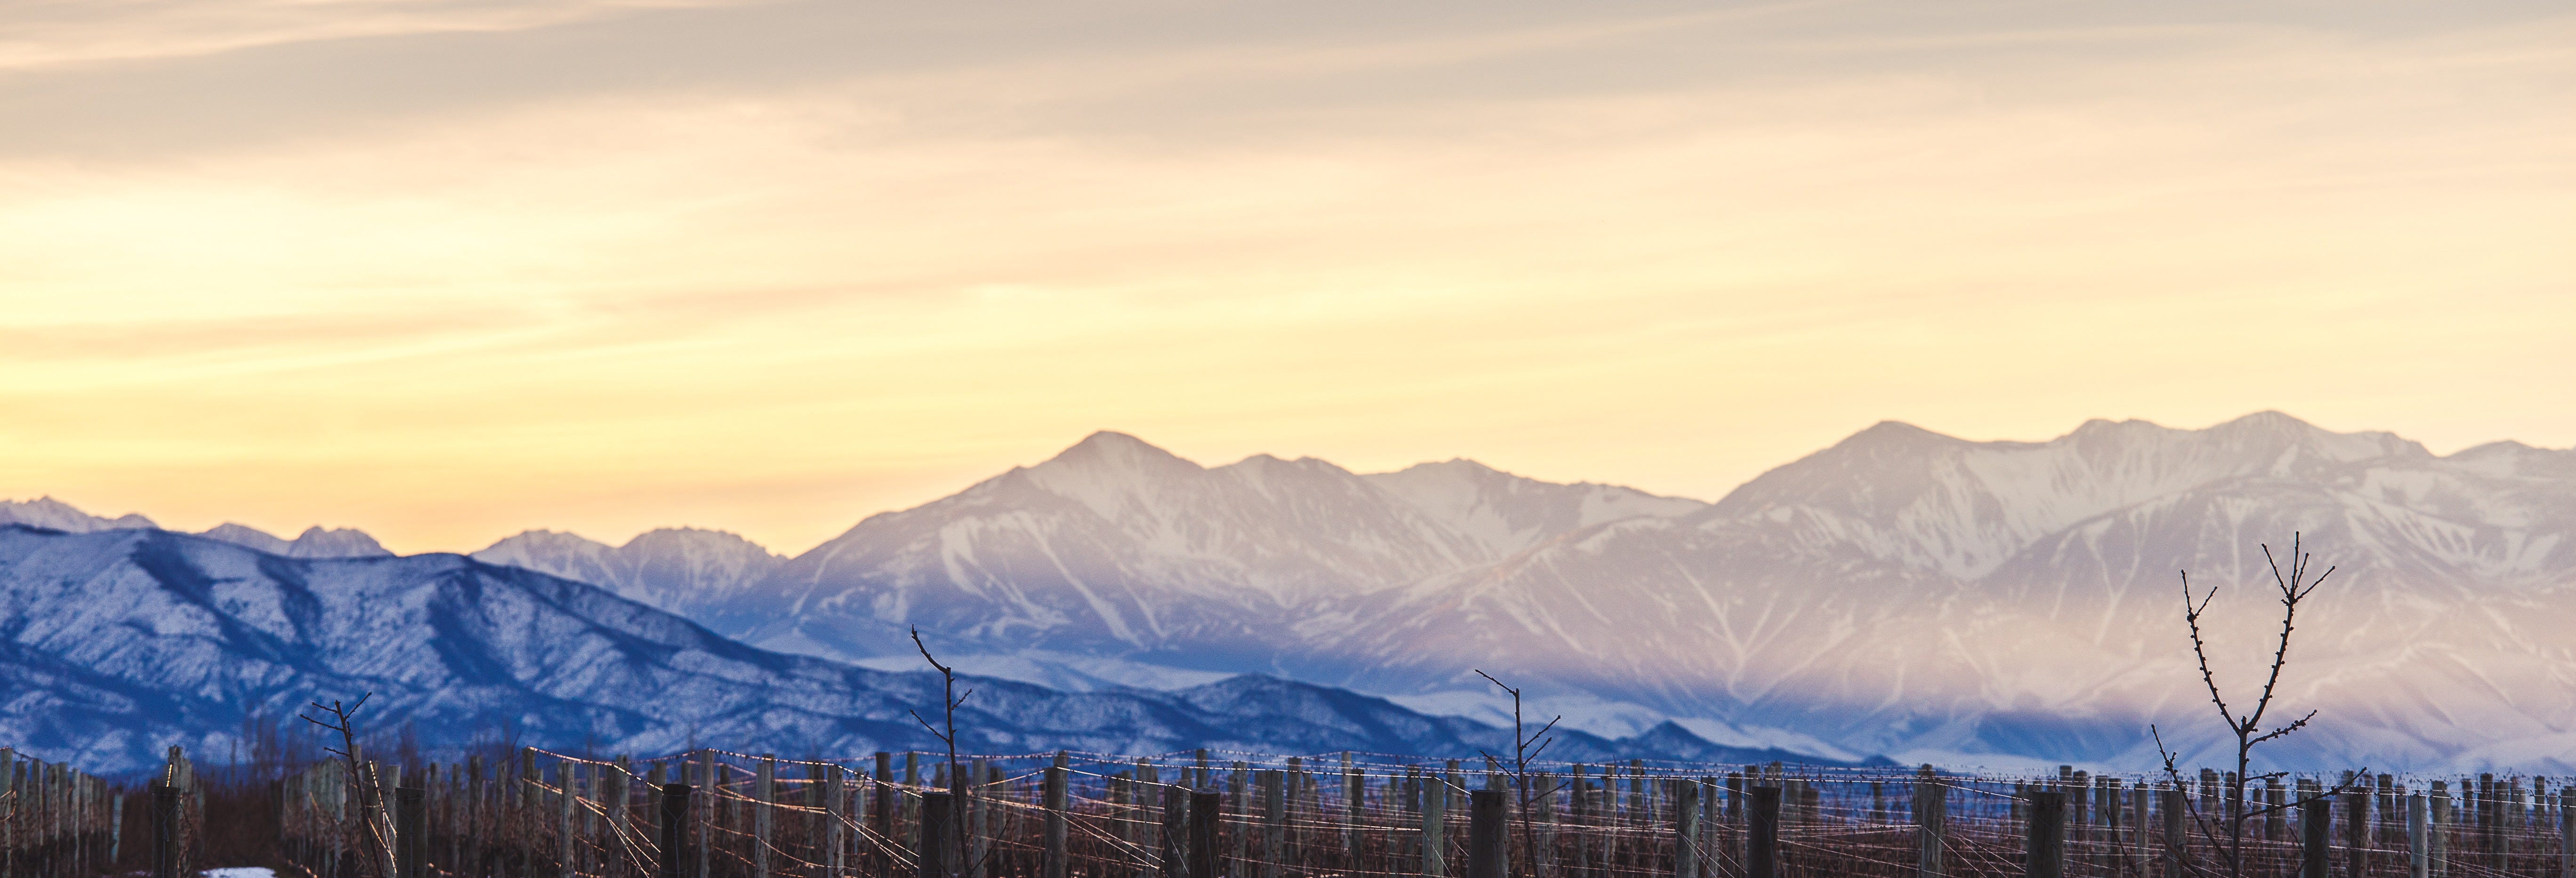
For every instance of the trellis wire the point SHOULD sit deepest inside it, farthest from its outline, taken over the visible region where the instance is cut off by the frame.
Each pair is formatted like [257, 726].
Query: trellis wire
[755, 816]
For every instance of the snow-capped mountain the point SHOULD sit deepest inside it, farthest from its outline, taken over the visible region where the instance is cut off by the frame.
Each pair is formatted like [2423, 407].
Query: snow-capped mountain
[685, 570]
[1911, 593]
[1116, 549]
[1901, 591]
[121, 642]
[47, 512]
[314, 542]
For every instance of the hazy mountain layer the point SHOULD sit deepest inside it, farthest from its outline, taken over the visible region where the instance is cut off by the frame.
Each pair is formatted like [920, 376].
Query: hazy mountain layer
[1899, 592]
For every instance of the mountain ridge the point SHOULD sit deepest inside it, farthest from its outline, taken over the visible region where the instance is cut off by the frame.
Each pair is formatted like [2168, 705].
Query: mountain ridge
[214, 635]
[1900, 591]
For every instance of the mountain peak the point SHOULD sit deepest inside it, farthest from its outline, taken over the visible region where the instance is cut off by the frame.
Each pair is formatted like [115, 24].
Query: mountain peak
[1455, 467]
[315, 542]
[2268, 427]
[337, 542]
[247, 537]
[681, 538]
[47, 512]
[1894, 434]
[2269, 419]
[1109, 449]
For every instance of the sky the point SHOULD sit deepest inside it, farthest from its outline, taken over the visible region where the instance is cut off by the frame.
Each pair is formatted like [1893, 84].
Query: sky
[445, 271]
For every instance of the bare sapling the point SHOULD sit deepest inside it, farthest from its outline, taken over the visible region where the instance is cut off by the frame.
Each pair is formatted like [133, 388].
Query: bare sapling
[949, 700]
[375, 825]
[2226, 832]
[1525, 747]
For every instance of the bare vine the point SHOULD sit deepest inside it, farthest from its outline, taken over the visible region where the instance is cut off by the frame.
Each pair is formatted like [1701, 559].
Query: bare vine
[1525, 747]
[377, 834]
[2290, 587]
[949, 700]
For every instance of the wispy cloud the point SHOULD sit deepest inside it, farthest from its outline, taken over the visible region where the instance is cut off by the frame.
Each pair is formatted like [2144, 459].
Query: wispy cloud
[51, 33]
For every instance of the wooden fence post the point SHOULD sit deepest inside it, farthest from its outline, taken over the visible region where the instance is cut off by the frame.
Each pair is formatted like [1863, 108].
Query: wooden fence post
[1293, 786]
[411, 831]
[978, 817]
[881, 815]
[2566, 812]
[1354, 797]
[8, 825]
[1176, 830]
[2356, 831]
[1274, 822]
[1581, 813]
[2108, 809]
[1207, 811]
[2044, 847]
[2079, 807]
[2174, 839]
[567, 799]
[1931, 821]
[525, 809]
[934, 851]
[1121, 826]
[476, 821]
[165, 830]
[835, 802]
[675, 829]
[1052, 864]
[2419, 850]
[2274, 806]
[2316, 813]
[1488, 842]
[764, 814]
[2440, 821]
[1711, 834]
[1685, 828]
[1762, 834]
[610, 786]
[1238, 785]
[1435, 820]
[705, 817]
[1542, 816]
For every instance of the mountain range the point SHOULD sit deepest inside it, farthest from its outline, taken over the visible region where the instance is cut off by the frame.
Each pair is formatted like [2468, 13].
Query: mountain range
[124, 641]
[1900, 592]
[314, 542]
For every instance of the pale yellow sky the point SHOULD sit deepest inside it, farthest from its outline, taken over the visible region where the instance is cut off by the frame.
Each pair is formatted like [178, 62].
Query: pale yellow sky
[445, 271]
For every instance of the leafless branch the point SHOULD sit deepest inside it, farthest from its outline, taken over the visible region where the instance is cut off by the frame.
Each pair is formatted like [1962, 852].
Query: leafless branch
[2292, 586]
[1522, 753]
[957, 787]
[376, 829]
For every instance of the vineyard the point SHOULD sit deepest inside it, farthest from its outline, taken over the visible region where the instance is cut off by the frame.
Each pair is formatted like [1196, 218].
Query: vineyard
[716, 814]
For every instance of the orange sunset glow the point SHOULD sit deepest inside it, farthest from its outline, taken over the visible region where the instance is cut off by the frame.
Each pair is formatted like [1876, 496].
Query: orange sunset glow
[447, 271]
